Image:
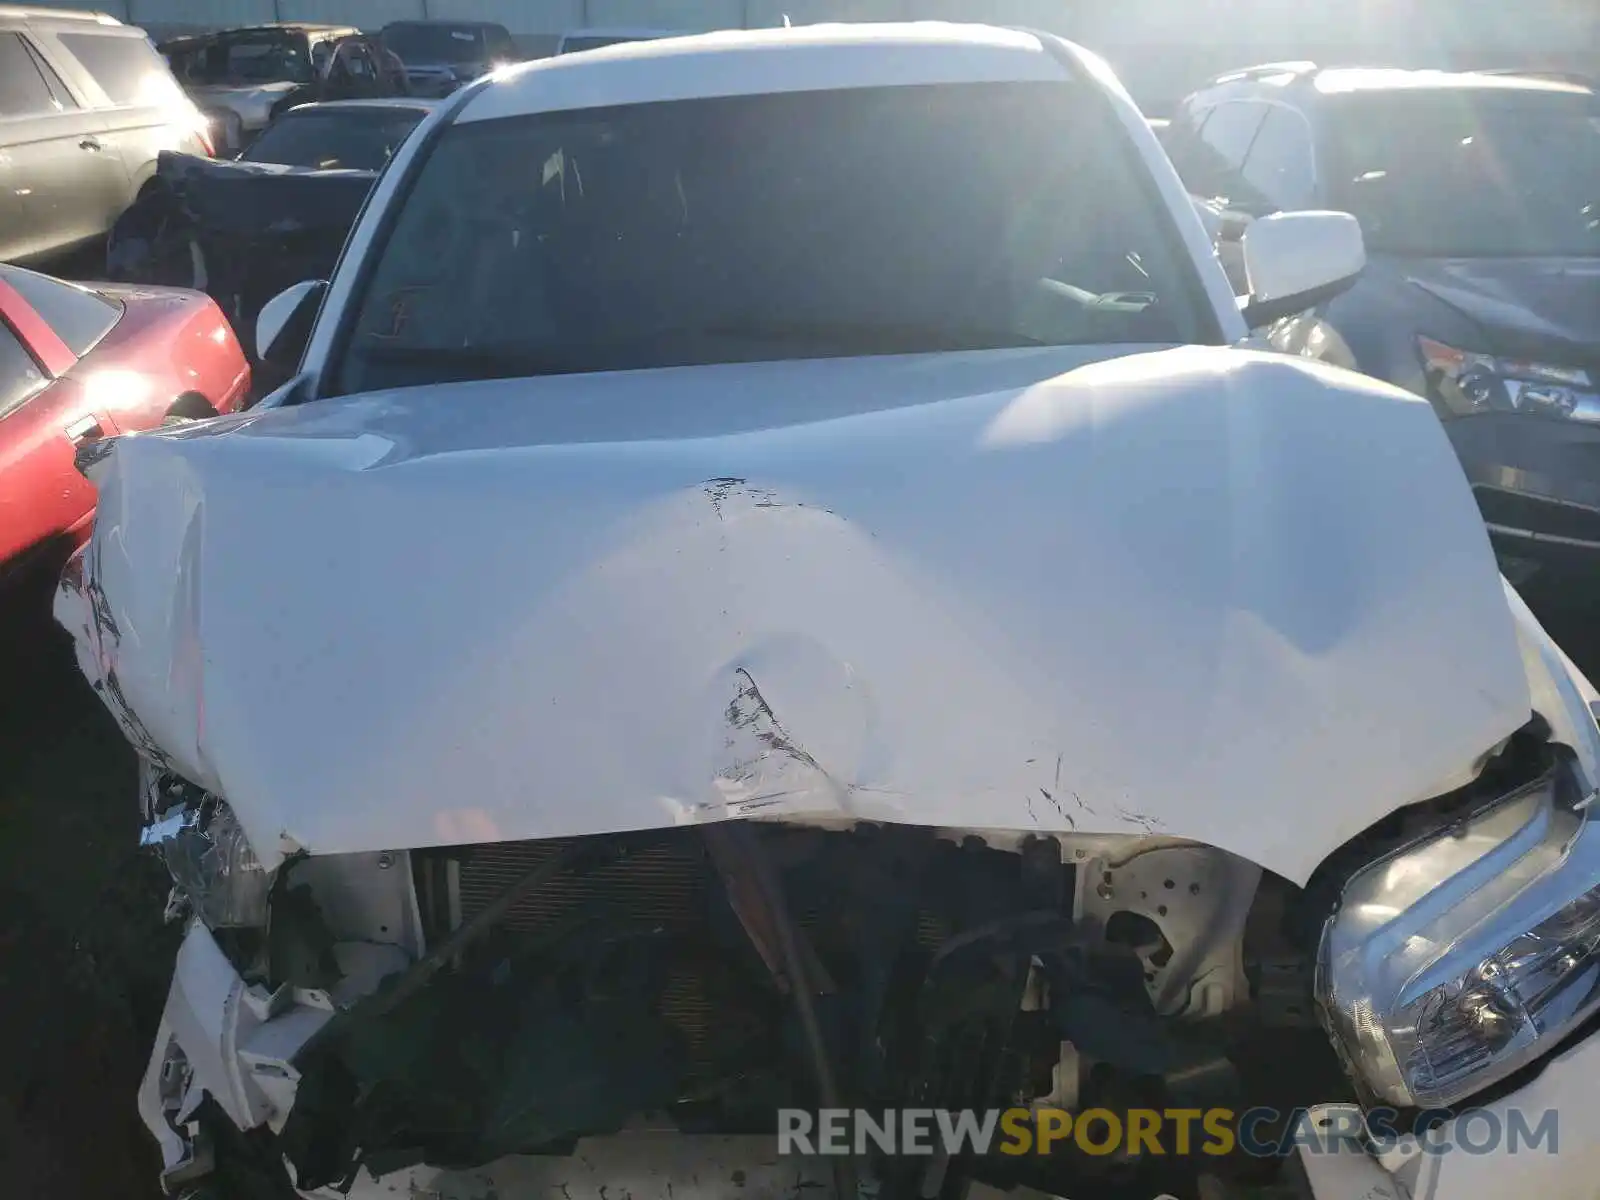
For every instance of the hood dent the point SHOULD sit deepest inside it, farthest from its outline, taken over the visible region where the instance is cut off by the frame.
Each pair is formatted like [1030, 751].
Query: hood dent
[891, 617]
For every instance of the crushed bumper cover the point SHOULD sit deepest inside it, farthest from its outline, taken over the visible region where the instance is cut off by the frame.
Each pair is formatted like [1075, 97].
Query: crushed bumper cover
[221, 1038]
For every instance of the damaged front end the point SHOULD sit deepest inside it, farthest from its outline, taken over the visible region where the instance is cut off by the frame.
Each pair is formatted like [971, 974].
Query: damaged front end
[478, 1013]
[640, 1013]
[582, 876]
[268, 959]
[239, 231]
[216, 876]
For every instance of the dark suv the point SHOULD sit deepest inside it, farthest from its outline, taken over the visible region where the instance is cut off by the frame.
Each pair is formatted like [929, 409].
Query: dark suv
[1479, 199]
[86, 104]
[441, 56]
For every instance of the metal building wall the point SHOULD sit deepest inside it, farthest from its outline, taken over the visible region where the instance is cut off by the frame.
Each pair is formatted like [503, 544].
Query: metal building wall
[519, 16]
[1424, 25]
[373, 14]
[194, 12]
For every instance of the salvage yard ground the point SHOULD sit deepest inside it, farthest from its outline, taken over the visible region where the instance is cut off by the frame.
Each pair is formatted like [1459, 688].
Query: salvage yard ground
[84, 957]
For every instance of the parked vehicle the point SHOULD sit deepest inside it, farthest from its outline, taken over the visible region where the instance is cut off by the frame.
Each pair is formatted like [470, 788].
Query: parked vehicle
[78, 364]
[242, 230]
[777, 584]
[85, 105]
[1479, 195]
[440, 56]
[575, 40]
[339, 135]
[244, 77]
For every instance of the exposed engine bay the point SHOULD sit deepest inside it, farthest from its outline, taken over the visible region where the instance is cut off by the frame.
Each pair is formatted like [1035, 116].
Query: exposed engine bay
[714, 976]
[699, 980]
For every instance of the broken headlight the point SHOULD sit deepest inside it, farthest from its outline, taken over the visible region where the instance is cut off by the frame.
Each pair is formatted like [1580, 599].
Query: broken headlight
[214, 871]
[1453, 962]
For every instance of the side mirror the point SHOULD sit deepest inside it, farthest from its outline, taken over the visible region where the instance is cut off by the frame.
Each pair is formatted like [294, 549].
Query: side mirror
[1295, 261]
[283, 326]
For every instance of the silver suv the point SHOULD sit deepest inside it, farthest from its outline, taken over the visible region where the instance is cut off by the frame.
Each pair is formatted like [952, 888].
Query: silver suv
[86, 104]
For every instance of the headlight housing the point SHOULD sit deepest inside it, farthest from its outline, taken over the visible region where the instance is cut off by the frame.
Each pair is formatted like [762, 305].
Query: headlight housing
[213, 868]
[1452, 962]
[1469, 383]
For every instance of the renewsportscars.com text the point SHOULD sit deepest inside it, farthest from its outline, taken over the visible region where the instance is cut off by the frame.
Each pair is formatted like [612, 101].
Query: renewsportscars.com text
[1259, 1132]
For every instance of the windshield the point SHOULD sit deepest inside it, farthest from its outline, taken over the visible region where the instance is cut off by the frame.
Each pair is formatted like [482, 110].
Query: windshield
[361, 139]
[1471, 172]
[267, 57]
[795, 225]
[436, 43]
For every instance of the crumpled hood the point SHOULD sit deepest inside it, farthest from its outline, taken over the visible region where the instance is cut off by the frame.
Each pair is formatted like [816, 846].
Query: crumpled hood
[1540, 305]
[257, 200]
[1201, 592]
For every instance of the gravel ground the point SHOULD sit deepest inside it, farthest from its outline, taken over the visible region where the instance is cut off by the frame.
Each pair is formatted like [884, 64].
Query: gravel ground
[84, 958]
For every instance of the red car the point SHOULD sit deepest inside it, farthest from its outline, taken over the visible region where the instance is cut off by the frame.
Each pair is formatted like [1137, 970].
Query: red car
[80, 363]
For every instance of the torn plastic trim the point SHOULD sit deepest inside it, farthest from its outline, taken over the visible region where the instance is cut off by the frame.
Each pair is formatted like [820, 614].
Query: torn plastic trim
[236, 1041]
[284, 924]
[170, 1110]
[215, 873]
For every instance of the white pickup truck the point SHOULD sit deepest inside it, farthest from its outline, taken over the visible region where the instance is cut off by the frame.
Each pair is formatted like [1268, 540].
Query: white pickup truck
[778, 585]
